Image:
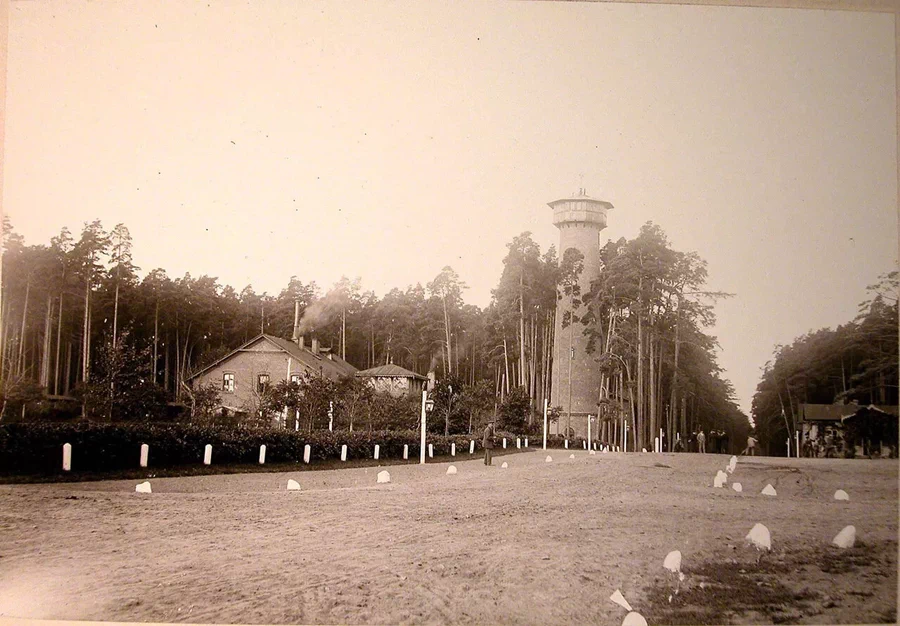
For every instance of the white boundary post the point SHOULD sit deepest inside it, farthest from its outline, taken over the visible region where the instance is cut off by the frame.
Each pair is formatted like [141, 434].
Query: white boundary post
[405, 451]
[797, 439]
[526, 442]
[422, 440]
[262, 454]
[344, 452]
[471, 446]
[625, 433]
[67, 457]
[145, 454]
[377, 450]
[589, 428]
[546, 402]
[207, 454]
[306, 453]
[430, 450]
[452, 449]
[504, 443]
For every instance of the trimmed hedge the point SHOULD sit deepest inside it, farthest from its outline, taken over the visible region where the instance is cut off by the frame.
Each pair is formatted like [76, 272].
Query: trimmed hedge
[36, 448]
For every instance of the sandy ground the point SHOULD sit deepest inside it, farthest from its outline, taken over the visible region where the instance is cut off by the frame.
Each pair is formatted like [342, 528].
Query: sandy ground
[537, 543]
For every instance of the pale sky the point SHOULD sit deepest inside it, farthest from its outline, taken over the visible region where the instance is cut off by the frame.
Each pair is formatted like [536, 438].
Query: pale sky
[385, 140]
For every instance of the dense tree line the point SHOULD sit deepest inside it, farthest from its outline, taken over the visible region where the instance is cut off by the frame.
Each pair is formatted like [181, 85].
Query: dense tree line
[857, 361]
[79, 320]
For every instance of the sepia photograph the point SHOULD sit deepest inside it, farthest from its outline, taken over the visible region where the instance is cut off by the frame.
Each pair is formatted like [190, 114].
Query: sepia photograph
[474, 312]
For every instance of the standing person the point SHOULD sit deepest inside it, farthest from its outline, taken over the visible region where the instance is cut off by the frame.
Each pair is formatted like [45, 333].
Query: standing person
[487, 442]
[751, 446]
[701, 443]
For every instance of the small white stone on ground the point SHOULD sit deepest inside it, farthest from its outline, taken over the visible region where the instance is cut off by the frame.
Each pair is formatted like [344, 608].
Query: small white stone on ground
[549, 459]
[759, 537]
[571, 456]
[769, 490]
[143, 487]
[383, 477]
[505, 465]
[451, 469]
[719, 480]
[840, 494]
[293, 485]
[619, 599]
[592, 452]
[643, 449]
[846, 538]
[737, 487]
[634, 619]
[673, 561]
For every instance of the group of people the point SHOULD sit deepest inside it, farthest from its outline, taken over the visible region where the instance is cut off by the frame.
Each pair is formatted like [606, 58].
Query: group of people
[715, 443]
[828, 446]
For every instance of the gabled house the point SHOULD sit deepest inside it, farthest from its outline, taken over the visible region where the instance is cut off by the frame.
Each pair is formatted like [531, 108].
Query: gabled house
[244, 372]
[394, 380]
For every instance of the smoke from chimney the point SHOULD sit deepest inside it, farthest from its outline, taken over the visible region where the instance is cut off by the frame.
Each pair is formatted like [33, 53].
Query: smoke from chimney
[320, 312]
[296, 336]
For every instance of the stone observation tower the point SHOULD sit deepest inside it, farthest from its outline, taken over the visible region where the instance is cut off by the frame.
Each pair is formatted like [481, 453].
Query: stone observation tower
[576, 378]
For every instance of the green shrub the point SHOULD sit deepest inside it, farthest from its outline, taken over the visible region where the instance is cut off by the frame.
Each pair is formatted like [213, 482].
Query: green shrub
[36, 448]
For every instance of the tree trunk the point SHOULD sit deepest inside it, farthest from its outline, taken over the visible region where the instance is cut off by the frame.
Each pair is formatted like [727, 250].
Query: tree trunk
[68, 378]
[86, 334]
[521, 328]
[447, 335]
[58, 341]
[20, 368]
[45, 357]
[156, 343]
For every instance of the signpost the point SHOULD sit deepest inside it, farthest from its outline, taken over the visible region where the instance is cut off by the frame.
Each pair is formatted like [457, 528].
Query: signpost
[546, 402]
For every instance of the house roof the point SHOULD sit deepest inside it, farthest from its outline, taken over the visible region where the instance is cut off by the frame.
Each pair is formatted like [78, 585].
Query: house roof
[390, 370]
[331, 366]
[839, 412]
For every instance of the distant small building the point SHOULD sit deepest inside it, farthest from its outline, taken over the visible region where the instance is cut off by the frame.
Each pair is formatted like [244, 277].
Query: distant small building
[394, 380]
[872, 427]
[244, 372]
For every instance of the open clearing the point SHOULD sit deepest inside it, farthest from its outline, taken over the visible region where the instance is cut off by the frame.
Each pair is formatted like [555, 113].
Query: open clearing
[536, 543]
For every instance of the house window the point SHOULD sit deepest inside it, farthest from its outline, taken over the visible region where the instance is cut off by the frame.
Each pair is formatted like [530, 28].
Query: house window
[295, 378]
[228, 383]
[262, 381]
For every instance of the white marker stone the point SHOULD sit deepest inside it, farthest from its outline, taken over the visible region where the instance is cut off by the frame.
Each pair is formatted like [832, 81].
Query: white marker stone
[769, 490]
[518, 442]
[307, 450]
[840, 494]
[207, 454]
[431, 450]
[383, 477]
[504, 443]
[67, 457]
[592, 452]
[737, 487]
[606, 449]
[846, 538]
[759, 537]
[377, 451]
[143, 487]
[720, 479]
[673, 561]
[471, 446]
[405, 451]
[451, 470]
[571, 456]
[344, 452]
[643, 449]
[145, 454]
[634, 619]
[526, 442]
[619, 599]
[567, 444]
[452, 449]
[262, 454]
[549, 459]
[505, 465]
[293, 485]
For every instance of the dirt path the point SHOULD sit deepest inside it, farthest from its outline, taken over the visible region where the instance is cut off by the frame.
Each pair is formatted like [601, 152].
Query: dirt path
[535, 543]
